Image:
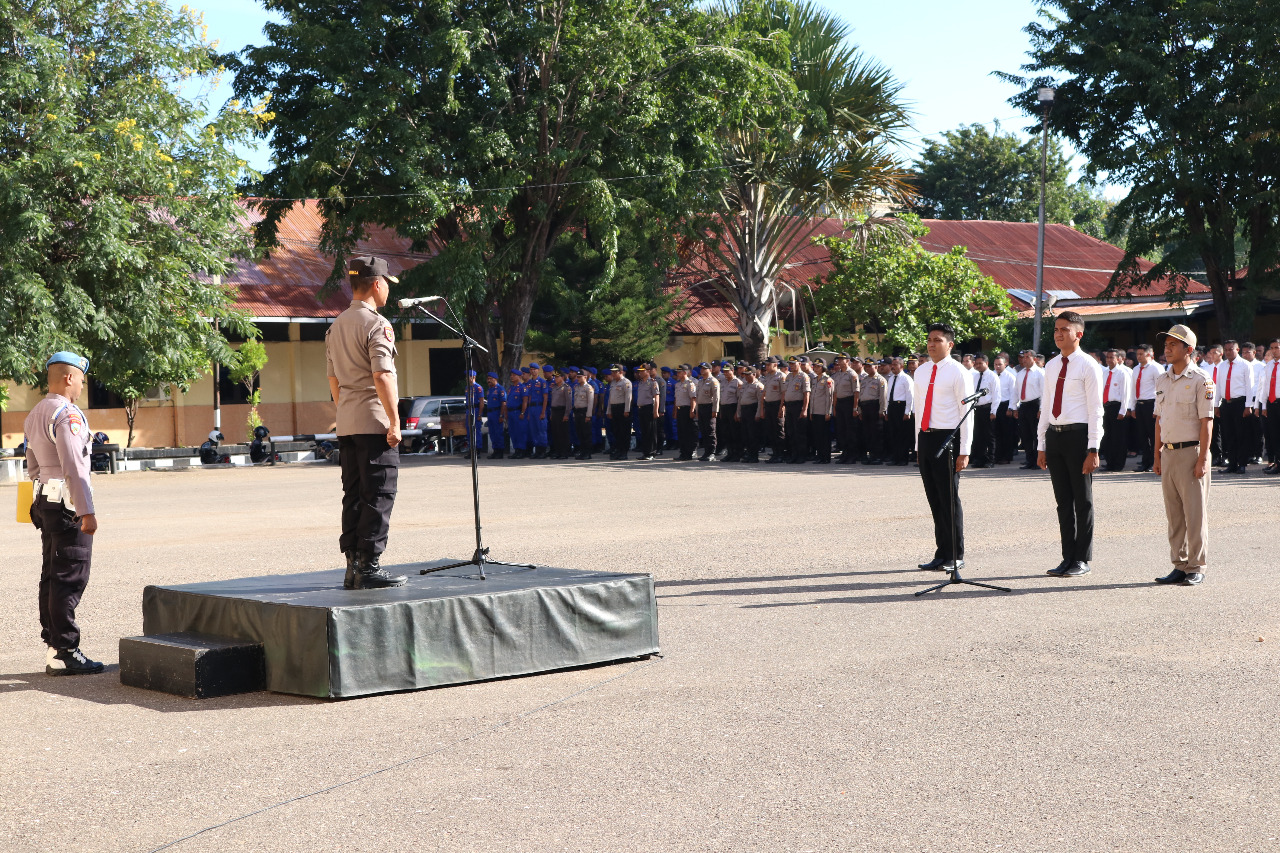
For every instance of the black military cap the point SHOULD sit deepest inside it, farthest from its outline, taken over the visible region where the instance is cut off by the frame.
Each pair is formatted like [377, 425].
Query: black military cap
[817, 362]
[803, 359]
[617, 367]
[367, 266]
[703, 364]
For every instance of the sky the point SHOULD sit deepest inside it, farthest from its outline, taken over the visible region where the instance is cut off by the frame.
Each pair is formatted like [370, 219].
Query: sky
[941, 50]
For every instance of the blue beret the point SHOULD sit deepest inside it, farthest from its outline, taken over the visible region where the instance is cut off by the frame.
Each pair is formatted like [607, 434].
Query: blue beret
[471, 373]
[526, 371]
[65, 357]
[548, 367]
[666, 370]
[491, 375]
[591, 370]
[571, 369]
[533, 365]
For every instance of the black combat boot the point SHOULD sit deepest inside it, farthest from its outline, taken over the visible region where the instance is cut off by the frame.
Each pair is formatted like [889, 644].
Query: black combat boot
[371, 575]
[353, 561]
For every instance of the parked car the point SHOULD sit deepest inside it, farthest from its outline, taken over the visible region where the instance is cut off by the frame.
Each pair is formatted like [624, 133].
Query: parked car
[437, 417]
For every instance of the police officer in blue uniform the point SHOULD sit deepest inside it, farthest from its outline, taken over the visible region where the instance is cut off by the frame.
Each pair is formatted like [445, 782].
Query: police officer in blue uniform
[669, 408]
[536, 412]
[597, 416]
[515, 414]
[495, 409]
[475, 401]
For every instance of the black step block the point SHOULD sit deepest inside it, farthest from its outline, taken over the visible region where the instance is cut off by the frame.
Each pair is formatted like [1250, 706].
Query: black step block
[197, 666]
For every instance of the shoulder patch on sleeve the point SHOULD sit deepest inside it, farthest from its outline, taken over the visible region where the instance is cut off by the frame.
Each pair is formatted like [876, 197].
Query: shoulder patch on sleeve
[390, 335]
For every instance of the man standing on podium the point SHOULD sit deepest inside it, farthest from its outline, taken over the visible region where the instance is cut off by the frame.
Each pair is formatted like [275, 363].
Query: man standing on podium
[1067, 440]
[360, 349]
[943, 384]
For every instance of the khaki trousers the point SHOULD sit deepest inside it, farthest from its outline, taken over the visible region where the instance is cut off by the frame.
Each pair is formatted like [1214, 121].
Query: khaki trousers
[1186, 500]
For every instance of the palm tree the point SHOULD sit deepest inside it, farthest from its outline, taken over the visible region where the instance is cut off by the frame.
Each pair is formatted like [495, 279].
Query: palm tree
[833, 158]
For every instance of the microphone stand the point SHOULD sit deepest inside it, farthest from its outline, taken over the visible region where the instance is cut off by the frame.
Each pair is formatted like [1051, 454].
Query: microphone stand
[480, 558]
[947, 447]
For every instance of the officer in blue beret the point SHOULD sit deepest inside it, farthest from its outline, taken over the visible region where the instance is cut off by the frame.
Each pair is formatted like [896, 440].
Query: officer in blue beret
[515, 414]
[58, 442]
[495, 412]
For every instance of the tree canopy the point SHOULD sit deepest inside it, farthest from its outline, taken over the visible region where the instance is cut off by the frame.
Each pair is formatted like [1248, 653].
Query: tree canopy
[488, 130]
[893, 289]
[117, 196]
[1180, 101]
[973, 173]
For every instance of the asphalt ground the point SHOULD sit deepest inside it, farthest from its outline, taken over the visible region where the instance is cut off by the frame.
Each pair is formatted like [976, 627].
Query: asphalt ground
[804, 701]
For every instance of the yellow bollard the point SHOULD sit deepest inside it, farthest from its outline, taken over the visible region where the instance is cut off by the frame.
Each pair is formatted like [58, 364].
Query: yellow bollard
[26, 497]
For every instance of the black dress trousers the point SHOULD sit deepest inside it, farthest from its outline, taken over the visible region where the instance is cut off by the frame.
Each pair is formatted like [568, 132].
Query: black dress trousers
[872, 430]
[1072, 490]
[559, 432]
[773, 426]
[1028, 424]
[582, 424]
[942, 489]
[647, 444]
[1145, 416]
[1114, 450]
[749, 430]
[621, 423]
[687, 430]
[1006, 433]
[797, 431]
[64, 571]
[846, 429]
[984, 438]
[707, 426]
[1231, 421]
[896, 428]
[370, 477]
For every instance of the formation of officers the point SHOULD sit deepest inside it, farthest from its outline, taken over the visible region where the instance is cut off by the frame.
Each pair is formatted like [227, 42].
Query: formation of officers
[798, 409]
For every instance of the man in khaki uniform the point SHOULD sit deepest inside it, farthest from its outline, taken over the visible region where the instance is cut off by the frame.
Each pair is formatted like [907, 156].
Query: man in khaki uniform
[773, 380]
[795, 400]
[649, 395]
[1184, 424]
[873, 396]
[584, 403]
[822, 406]
[618, 413]
[750, 414]
[360, 350]
[847, 386]
[686, 399]
[708, 410]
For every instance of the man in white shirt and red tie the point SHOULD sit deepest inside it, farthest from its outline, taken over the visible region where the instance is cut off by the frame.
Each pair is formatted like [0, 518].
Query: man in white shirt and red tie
[1143, 404]
[1006, 424]
[984, 417]
[1235, 406]
[943, 384]
[1115, 406]
[1069, 432]
[1267, 397]
[1213, 358]
[1026, 405]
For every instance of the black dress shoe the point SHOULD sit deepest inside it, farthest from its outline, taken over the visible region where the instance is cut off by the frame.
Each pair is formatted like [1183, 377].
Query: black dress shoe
[938, 565]
[1175, 576]
[1060, 569]
[1076, 569]
[1193, 579]
[1029, 467]
[1144, 470]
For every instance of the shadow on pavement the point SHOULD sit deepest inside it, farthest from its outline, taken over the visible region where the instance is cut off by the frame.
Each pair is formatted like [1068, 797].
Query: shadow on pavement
[960, 591]
[105, 689]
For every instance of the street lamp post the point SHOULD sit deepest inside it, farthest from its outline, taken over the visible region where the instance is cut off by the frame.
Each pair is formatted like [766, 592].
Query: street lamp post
[1045, 95]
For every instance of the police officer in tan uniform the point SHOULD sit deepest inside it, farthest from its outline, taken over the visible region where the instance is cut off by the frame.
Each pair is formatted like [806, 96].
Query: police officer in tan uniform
[795, 401]
[847, 386]
[773, 379]
[360, 350]
[873, 396]
[58, 441]
[686, 397]
[822, 406]
[649, 394]
[750, 414]
[708, 409]
[584, 403]
[727, 426]
[619, 412]
[1184, 423]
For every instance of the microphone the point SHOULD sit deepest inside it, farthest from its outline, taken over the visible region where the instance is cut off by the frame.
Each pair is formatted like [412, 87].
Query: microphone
[409, 303]
[977, 395]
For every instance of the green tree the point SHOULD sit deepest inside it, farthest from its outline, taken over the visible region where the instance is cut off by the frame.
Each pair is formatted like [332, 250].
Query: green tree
[251, 358]
[117, 195]
[972, 173]
[1178, 100]
[832, 155]
[487, 130]
[897, 288]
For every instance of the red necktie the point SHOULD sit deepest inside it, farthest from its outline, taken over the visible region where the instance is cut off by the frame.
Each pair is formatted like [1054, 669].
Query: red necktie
[1231, 365]
[928, 399]
[1137, 391]
[1026, 374]
[1057, 397]
[1106, 391]
[1271, 396]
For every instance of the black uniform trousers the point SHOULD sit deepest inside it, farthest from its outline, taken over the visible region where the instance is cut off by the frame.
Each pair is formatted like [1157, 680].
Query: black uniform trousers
[1065, 453]
[820, 437]
[984, 438]
[582, 423]
[1271, 424]
[872, 430]
[847, 438]
[729, 431]
[1234, 436]
[1028, 425]
[941, 482]
[646, 418]
[773, 426]
[797, 432]
[620, 421]
[1145, 416]
[1006, 433]
[370, 477]
[559, 428]
[686, 429]
[749, 430]
[66, 553]
[707, 426]
[1215, 440]
[897, 428]
[1114, 451]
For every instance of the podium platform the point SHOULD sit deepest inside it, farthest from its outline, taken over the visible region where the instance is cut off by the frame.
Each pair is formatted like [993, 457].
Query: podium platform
[449, 627]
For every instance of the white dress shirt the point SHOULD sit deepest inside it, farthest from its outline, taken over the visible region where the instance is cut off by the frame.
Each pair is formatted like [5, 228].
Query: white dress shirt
[951, 384]
[1148, 372]
[989, 380]
[1236, 378]
[1081, 395]
[1030, 385]
[1117, 385]
[900, 391]
[1008, 384]
[1212, 370]
[1259, 368]
[1262, 390]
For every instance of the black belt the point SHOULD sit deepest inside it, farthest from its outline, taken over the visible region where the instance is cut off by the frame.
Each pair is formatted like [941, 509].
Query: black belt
[1067, 427]
[1178, 445]
[1150, 402]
